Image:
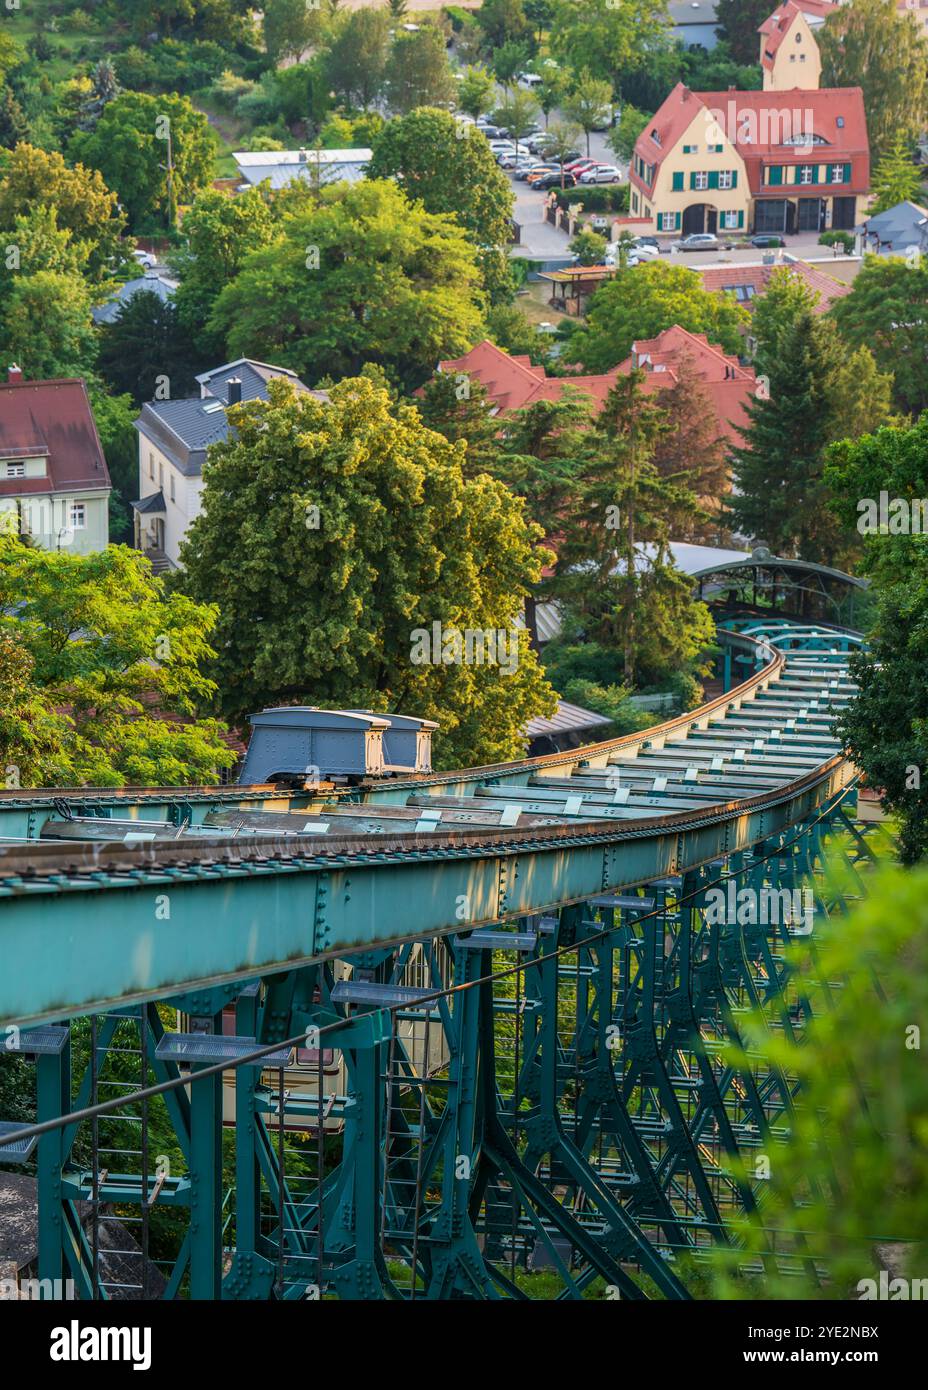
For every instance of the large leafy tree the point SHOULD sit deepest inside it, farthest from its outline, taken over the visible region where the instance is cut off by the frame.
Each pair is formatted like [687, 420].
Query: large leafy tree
[220, 233]
[14, 124]
[459, 408]
[587, 103]
[641, 301]
[362, 275]
[605, 37]
[810, 397]
[417, 71]
[450, 169]
[84, 205]
[885, 728]
[290, 26]
[97, 642]
[355, 530]
[739, 21]
[869, 44]
[503, 21]
[129, 146]
[356, 60]
[46, 325]
[475, 91]
[145, 349]
[887, 311]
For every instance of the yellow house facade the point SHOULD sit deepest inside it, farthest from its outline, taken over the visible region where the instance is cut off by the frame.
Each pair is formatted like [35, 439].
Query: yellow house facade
[789, 52]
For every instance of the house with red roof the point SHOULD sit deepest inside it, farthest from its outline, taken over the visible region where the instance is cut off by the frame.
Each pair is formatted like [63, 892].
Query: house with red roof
[789, 53]
[753, 162]
[749, 280]
[54, 483]
[512, 383]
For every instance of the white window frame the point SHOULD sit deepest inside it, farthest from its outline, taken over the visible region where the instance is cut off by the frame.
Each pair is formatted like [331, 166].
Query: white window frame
[77, 516]
[730, 220]
[806, 169]
[668, 221]
[725, 178]
[837, 173]
[701, 181]
[16, 470]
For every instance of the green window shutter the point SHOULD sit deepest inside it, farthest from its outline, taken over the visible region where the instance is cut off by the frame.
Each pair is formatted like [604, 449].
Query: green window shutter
[847, 173]
[676, 223]
[678, 183]
[713, 178]
[734, 178]
[776, 173]
[692, 180]
[741, 219]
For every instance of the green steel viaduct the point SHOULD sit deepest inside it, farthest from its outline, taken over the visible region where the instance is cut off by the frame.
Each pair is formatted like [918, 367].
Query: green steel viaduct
[460, 1025]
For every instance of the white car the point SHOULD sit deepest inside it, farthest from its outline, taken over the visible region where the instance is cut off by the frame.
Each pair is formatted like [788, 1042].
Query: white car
[146, 259]
[602, 173]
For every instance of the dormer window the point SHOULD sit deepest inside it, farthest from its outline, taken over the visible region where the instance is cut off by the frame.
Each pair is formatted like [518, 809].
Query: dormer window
[655, 137]
[840, 123]
[16, 470]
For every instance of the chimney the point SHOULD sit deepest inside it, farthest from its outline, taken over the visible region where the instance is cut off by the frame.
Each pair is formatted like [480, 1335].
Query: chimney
[14, 374]
[235, 390]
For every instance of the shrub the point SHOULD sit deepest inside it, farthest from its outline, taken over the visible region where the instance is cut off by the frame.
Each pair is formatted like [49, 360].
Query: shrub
[843, 239]
[596, 198]
[228, 89]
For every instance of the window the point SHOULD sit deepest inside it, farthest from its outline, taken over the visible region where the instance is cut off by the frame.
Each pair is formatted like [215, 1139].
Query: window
[655, 137]
[715, 149]
[151, 464]
[732, 219]
[837, 173]
[840, 122]
[667, 222]
[807, 173]
[691, 149]
[701, 180]
[77, 517]
[16, 470]
[725, 179]
[741, 292]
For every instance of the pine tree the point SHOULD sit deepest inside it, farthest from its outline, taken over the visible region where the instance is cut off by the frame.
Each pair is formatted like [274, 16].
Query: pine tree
[896, 179]
[14, 126]
[457, 406]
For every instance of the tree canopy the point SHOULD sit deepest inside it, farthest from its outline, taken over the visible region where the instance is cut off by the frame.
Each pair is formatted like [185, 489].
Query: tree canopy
[869, 44]
[88, 643]
[355, 531]
[887, 312]
[361, 275]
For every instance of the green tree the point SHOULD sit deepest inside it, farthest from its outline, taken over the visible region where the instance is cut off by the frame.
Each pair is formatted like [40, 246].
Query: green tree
[781, 495]
[114, 417]
[35, 242]
[550, 92]
[739, 21]
[417, 72]
[869, 44]
[129, 146]
[887, 311]
[475, 91]
[458, 407]
[450, 169]
[357, 531]
[543, 451]
[145, 347]
[31, 732]
[356, 61]
[219, 234]
[851, 1173]
[14, 125]
[786, 297]
[622, 137]
[101, 640]
[641, 301]
[615, 577]
[508, 61]
[692, 445]
[104, 88]
[84, 205]
[308, 302]
[290, 26]
[46, 325]
[589, 247]
[896, 178]
[605, 37]
[503, 21]
[516, 113]
[561, 141]
[588, 103]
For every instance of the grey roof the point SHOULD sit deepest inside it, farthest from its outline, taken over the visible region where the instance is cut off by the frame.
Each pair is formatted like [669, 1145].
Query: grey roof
[183, 430]
[152, 283]
[567, 718]
[280, 167]
[902, 226]
[153, 503]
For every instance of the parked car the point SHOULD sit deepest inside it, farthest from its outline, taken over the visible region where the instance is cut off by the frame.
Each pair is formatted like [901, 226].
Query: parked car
[492, 132]
[553, 180]
[548, 153]
[602, 173]
[533, 170]
[766, 239]
[577, 166]
[699, 241]
[529, 81]
[540, 171]
[146, 259]
[645, 250]
[510, 159]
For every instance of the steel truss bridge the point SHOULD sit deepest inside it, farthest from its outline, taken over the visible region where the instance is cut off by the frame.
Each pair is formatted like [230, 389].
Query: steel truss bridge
[461, 1026]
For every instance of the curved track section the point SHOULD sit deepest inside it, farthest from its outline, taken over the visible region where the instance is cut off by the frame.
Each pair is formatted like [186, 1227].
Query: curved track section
[149, 906]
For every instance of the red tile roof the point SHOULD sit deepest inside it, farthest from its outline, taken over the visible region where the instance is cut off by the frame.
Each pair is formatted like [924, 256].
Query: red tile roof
[53, 420]
[775, 30]
[760, 123]
[718, 278]
[726, 382]
[513, 383]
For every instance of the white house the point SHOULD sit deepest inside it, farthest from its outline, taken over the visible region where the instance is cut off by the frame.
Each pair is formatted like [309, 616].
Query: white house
[281, 167]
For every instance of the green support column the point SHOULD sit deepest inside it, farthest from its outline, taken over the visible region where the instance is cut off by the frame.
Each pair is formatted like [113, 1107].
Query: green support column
[53, 1095]
[206, 1182]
